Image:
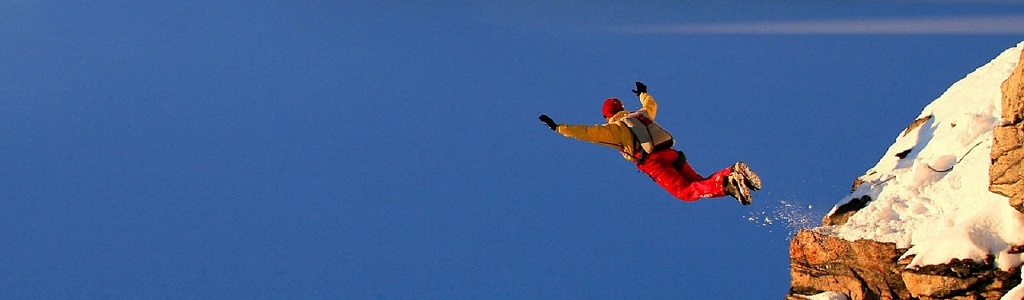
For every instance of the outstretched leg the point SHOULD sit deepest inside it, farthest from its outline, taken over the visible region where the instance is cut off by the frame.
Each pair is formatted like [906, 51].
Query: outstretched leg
[683, 183]
[689, 174]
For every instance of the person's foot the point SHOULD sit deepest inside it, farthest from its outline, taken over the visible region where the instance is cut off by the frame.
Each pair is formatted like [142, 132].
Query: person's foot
[751, 180]
[736, 187]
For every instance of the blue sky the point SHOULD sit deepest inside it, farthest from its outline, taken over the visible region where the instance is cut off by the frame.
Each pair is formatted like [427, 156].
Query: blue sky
[380, 149]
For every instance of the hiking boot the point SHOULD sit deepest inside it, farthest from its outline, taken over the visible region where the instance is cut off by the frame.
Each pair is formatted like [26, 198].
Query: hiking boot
[736, 187]
[750, 179]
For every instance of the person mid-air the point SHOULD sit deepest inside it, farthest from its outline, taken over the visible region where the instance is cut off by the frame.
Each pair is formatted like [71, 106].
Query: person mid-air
[649, 146]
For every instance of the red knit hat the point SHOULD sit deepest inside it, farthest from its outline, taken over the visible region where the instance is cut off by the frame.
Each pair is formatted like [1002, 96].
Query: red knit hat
[611, 106]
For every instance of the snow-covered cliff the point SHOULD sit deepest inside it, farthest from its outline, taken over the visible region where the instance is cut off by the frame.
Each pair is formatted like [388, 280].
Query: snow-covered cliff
[924, 223]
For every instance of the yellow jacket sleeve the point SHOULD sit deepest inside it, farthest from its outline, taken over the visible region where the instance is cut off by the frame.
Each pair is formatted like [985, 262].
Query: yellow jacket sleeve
[647, 104]
[615, 135]
[612, 135]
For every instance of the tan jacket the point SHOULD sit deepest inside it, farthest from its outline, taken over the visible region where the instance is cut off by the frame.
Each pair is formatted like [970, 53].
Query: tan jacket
[616, 134]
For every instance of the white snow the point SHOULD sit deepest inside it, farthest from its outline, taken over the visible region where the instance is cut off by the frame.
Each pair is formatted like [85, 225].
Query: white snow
[935, 200]
[827, 296]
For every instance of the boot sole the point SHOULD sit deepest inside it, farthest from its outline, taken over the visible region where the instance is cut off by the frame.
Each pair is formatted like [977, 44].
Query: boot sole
[741, 189]
[752, 179]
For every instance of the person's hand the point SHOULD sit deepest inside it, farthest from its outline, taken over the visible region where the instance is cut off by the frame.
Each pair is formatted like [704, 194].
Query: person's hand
[640, 88]
[548, 121]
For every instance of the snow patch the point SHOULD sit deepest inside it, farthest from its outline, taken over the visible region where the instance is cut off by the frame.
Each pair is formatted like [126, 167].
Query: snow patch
[826, 296]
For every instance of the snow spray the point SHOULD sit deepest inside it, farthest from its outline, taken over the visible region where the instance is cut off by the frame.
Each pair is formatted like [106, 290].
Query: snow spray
[788, 215]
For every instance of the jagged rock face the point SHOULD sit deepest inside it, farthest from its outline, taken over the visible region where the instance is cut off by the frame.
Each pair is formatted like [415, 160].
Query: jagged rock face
[862, 270]
[1007, 169]
[960, 279]
[867, 269]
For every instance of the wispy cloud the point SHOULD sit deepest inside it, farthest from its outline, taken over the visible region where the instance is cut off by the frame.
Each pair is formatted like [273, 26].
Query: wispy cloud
[973, 25]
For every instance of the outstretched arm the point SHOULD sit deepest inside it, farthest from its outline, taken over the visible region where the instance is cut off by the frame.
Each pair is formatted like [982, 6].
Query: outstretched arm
[647, 103]
[611, 135]
[605, 134]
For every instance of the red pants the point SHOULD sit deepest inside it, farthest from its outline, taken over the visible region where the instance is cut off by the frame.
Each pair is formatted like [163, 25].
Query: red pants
[683, 183]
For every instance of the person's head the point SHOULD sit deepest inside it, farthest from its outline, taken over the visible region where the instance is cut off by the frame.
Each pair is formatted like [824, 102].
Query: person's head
[611, 107]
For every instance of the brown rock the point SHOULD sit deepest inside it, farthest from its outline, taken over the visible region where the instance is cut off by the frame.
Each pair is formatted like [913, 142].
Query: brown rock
[936, 286]
[862, 269]
[917, 123]
[1017, 201]
[845, 211]
[1007, 166]
[964, 279]
[1013, 94]
[1007, 170]
[865, 269]
[988, 284]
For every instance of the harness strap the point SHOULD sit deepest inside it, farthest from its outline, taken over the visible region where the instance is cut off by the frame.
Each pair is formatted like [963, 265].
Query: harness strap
[641, 156]
[640, 128]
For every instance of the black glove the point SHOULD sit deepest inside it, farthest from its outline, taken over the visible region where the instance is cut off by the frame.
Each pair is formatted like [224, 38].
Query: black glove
[640, 88]
[548, 121]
